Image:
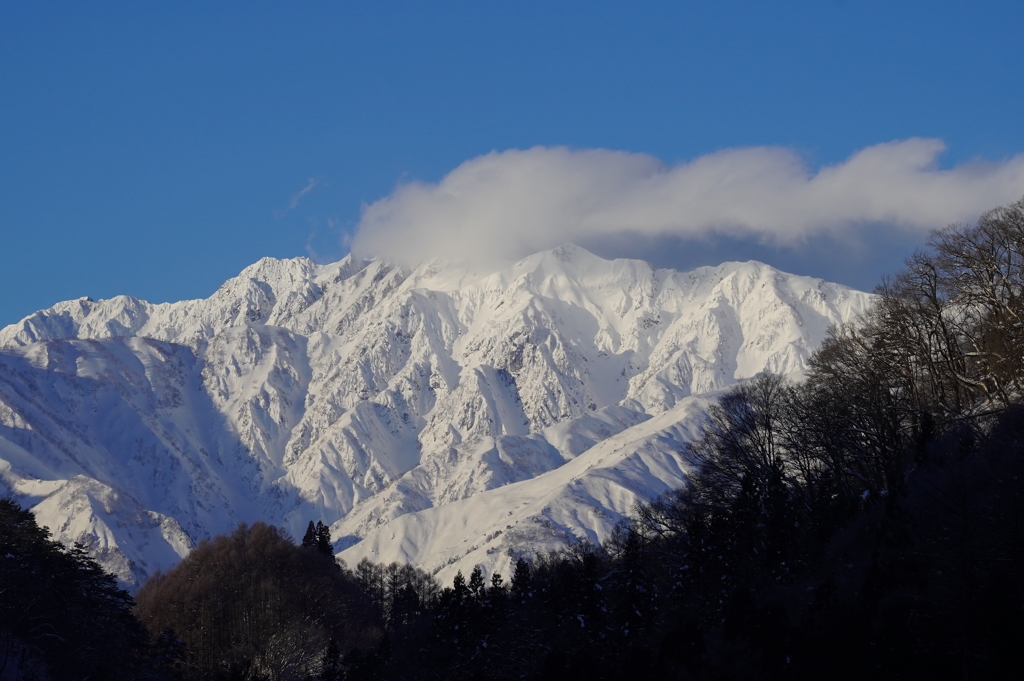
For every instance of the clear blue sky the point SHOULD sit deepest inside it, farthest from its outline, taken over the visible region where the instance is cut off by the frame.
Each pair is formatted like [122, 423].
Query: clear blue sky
[154, 149]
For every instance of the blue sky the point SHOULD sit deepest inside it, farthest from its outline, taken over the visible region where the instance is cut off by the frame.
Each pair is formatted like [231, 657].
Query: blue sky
[156, 149]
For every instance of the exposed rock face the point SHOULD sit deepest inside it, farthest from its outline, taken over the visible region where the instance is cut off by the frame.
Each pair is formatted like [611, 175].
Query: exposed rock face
[437, 415]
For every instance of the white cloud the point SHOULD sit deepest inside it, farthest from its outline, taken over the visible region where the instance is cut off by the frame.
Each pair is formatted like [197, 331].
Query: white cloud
[312, 184]
[512, 203]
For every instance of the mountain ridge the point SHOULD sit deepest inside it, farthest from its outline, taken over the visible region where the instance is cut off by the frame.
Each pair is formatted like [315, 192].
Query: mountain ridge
[362, 392]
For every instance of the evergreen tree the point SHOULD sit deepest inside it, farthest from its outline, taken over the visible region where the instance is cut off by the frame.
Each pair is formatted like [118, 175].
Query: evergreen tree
[476, 583]
[323, 539]
[309, 540]
[497, 583]
[521, 578]
[459, 587]
[497, 594]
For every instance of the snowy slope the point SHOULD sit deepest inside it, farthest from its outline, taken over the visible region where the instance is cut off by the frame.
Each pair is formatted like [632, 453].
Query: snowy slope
[386, 401]
[583, 499]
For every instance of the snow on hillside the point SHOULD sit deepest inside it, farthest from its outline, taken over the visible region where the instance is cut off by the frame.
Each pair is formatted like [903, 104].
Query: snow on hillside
[439, 415]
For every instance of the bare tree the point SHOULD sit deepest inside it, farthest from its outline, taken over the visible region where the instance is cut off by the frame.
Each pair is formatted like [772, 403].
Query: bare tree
[956, 313]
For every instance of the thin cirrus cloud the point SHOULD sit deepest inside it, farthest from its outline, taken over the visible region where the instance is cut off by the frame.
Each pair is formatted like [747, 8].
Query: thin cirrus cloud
[297, 197]
[512, 203]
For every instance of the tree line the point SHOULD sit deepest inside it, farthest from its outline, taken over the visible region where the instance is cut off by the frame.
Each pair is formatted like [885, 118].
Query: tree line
[866, 522]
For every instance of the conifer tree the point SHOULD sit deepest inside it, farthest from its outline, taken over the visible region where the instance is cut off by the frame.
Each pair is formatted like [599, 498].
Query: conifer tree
[476, 583]
[323, 539]
[459, 586]
[521, 580]
[497, 594]
[309, 540]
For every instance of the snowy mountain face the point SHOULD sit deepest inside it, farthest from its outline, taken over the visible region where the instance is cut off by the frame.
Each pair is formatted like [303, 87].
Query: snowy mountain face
[435, 416]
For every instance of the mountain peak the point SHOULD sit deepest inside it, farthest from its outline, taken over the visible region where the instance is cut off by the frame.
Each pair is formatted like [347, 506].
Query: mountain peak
[543, 397]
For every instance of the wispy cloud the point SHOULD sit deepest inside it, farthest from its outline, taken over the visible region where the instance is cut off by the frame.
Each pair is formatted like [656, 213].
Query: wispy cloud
[297, 197]
[512, 203]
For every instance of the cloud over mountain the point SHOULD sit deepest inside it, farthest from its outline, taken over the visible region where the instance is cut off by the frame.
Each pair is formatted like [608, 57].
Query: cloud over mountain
[511, 203]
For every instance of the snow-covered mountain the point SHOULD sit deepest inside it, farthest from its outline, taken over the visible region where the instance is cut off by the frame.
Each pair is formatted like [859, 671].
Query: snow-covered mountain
[437, 415]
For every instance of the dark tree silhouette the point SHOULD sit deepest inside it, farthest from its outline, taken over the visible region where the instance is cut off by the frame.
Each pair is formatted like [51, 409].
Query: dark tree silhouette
[310, 539]
[323, 539]
[61, 615]
[258, 606]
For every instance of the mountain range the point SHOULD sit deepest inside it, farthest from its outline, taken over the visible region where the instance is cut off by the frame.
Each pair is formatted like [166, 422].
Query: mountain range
[442, 415]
